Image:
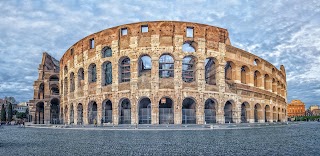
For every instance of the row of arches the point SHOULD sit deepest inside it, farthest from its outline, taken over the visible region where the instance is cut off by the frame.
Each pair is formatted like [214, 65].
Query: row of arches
[166, 112]
[54, 89]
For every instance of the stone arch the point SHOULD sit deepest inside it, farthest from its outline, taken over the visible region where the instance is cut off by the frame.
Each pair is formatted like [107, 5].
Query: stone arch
[72, 87]
[275, 119]
[65, 89]
[124, 111]
[144, 65]
[54, 89]
[279, 115]
[106, 76]
[54, 78]
[166, 66]
[267, 113]
[257, 62]
[41, 91]
[228, 111]
[106, 52]
[166, 110]
[80, 114]
[80, 77]
[189, 68]
[124, 69]
[39, 115]
[189, 111]
[71, 114]
[92, 112]
[107, 111]
[257, 79]
[245, 74]
[92, 73]
[144, 110]
[230, 69]
[65, 69]
[274, 85]
[54, 110]
[267, 82]
[189, 46]
[210, 110]
[65, 112]
[258, 113]
[245, 112]
[211, 65]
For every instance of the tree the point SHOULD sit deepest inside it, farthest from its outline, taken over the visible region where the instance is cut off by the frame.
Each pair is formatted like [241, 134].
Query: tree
[10, 99]
[21, 115]
[3, 113]
[10, 112]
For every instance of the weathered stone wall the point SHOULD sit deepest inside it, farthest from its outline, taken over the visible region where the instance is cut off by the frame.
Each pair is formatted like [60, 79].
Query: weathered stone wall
[166, 37]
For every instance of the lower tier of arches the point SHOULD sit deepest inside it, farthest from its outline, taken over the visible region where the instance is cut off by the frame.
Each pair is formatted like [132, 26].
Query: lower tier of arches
[168, 110]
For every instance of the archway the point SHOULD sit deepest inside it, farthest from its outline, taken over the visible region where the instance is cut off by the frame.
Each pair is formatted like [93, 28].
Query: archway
[245, 75]
[210, 71]
[166, 115]
[279, 117]
[166, 66]
[107, 111]
[92, 112]
[145, 111]
[245, 112]
[188, 111]
[71, 114]
[228, 112]
[188, 68]
[267, 114]
[257, 112]
[275, 114]
[39, 116]
[65, 114]
[210, 111]
[125, 111]
[54, 111]
[80, 114]
[144, 66]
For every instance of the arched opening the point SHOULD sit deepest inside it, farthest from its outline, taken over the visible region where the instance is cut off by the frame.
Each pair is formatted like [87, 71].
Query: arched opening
[188, 69]
[124, 70]
[144, 66]
[54, 78]
[210, 71]
[106, 52]
[267, 114]
[166, 66]
[54, 111]
[145, 111]
[274, 85]
[257, 79]
[106, 73]
[245, 112]
[92, 73]
[80, 77]
[65, 89]
[267, 82]
[66, 117]
[257, 112]
[107, 111]
[256, 62]
[210, 111]
[229, 70]
[166, 115]
[72, 82]
[125, 111]
[80, 114]
[188, 46]
[41, 91]
[92, 112]
[39, 116]
[279, 117]
[65, 69]
[228, 112]
[245, 75]
[54, 90]
[188, 111]
[275, 119]
[71, 114]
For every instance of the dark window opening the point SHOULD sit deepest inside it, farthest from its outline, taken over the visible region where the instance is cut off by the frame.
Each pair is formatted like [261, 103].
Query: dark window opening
[144, 28]
[124, 31]
[91, 43]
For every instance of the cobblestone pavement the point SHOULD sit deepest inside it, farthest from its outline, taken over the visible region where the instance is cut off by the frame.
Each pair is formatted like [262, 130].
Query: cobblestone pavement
[291, 139]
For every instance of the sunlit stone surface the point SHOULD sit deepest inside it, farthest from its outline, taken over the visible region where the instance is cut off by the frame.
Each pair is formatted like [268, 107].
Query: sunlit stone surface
[298, 139]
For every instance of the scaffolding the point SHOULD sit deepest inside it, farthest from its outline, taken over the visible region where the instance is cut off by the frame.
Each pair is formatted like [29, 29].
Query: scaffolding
[166, 66]
[188, 69]
[125, 70]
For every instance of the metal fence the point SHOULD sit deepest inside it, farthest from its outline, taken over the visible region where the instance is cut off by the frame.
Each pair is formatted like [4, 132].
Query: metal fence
[145, 116]
[92, 116]
[228, 116]
[188, 116]
[210, 116]
[107, 118]
[125, 116]
[166, 116]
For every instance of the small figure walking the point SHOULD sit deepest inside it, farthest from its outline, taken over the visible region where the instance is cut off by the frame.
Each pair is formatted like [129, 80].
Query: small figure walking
[95, 122]
[101, 122]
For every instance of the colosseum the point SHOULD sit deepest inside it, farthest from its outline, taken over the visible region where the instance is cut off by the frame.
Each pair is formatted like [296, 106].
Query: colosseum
[166, 72]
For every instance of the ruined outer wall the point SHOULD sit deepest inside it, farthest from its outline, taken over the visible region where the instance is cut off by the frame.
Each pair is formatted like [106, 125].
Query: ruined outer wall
[167, 37]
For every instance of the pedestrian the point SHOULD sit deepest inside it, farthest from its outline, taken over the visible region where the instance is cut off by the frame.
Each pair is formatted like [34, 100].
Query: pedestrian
[95, 122]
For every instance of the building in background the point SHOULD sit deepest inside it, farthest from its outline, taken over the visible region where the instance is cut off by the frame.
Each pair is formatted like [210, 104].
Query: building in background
[296, 108]
[313, 107]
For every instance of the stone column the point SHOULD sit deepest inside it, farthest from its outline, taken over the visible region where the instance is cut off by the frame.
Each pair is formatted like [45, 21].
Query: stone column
[236, 113]
[200, 110]
[220, 113]
[251, 120]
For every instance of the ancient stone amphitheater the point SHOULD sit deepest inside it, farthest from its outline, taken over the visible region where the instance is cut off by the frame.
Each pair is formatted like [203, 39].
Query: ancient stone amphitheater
[167, 72]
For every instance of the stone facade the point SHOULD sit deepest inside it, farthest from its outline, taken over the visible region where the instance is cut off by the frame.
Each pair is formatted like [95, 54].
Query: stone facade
[44, 107]
[228, 83]
[296, 108]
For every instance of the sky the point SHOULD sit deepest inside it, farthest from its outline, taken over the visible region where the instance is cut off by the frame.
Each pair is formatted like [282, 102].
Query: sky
[282, 32]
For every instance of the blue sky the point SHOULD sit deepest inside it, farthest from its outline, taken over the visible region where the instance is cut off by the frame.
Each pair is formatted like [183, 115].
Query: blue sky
[282, 32]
